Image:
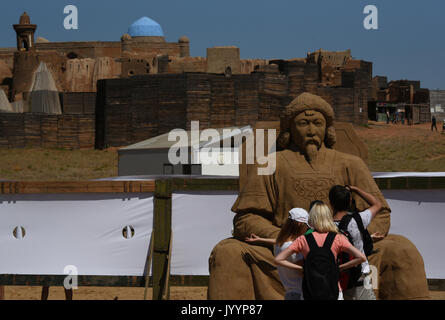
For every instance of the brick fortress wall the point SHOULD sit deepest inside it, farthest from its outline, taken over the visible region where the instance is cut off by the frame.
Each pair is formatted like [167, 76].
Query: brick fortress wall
[141, 107]
[132, 109]
[74, 129]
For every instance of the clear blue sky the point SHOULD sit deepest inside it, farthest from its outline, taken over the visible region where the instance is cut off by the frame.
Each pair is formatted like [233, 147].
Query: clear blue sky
[410, 42]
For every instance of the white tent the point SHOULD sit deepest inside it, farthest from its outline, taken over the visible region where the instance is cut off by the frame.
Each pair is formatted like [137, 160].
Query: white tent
[5, 106]
[44, 97]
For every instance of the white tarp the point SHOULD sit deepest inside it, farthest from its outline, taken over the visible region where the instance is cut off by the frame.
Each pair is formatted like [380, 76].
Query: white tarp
[407, 174]
[84, 230]
[419, 215]
[5, 106]
[199, 222]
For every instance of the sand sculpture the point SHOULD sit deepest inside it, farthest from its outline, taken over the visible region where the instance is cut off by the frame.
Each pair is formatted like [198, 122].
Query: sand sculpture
[306, 168]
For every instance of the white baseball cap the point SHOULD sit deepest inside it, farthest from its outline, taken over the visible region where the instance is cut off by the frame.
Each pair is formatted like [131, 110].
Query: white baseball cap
[299, 215]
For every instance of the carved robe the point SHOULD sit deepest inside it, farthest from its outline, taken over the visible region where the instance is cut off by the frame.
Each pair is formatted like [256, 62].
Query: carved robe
[239, 270]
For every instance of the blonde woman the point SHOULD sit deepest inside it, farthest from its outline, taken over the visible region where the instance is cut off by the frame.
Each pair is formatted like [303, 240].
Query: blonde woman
[320, 249]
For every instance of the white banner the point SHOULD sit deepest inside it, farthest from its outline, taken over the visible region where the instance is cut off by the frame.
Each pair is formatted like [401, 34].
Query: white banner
[41, 234]
[419, 215]
[83, 230]
[200, 220]
[408, 174]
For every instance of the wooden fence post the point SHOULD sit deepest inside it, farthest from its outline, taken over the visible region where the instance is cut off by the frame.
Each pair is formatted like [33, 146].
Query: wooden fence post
[162, 233]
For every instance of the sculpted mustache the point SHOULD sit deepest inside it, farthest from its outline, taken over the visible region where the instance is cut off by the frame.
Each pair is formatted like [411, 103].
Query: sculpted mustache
[312, 141]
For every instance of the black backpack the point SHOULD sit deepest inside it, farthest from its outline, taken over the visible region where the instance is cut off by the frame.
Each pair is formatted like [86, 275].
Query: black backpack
[352, 275]
[321, 274]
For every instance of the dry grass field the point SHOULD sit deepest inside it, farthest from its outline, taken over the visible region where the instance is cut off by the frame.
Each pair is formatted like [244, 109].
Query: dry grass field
[57, 164]
[391, 148]
[403, 148]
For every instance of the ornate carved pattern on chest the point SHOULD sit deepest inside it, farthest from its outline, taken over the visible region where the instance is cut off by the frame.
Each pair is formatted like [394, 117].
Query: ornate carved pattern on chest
[314, 188]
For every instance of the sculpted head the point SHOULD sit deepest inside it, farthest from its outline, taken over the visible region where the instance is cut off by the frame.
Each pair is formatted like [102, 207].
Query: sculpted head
[308, 128]
[307, 123]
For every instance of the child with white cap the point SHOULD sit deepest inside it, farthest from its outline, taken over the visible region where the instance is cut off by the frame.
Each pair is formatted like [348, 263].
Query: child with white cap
[295, 226]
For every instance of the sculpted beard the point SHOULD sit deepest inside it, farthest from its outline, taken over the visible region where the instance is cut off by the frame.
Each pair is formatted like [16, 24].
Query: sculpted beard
[311, 151]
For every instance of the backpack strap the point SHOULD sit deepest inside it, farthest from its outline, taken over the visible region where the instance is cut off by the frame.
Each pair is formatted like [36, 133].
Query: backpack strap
[311, 241]
[344, 222]
[329, 240]
[359, 221]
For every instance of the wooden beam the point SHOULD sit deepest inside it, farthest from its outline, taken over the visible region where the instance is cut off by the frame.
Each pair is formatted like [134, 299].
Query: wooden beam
[57, 280]
[436, 284]
[161, 241]
[213, 184]
[205, 184]
[407, 183]
[189, 281]
[35, 187]
[99, 281]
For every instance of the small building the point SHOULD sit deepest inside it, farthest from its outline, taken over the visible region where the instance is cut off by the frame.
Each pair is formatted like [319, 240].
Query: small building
[401, 99]
[437, 104]
[214, 153]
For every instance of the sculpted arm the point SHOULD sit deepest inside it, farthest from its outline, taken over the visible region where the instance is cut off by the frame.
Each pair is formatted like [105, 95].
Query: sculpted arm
[360, 176]
[246, 224]
[255, 207]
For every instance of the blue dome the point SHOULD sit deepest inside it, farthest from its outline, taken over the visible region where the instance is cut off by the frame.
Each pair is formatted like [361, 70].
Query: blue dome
[145, 27]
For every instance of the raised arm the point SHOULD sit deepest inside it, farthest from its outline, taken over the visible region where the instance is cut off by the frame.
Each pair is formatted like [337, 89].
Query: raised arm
[360, 176]
[375, 204]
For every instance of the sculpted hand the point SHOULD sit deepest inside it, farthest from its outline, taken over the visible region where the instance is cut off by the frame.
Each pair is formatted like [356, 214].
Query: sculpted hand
[253, 238]
[377, 236]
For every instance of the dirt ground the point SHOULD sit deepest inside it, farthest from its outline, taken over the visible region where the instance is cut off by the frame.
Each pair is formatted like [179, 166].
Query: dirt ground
[101, 293]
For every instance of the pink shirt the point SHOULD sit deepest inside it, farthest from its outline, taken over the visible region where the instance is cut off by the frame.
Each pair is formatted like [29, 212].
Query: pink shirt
[341, 243]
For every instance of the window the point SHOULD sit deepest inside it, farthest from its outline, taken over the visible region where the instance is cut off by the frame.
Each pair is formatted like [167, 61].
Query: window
[72, 55]
[25, 45]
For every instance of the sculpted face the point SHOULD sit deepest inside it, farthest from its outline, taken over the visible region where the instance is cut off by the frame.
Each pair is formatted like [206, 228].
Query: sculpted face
[308, 131]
